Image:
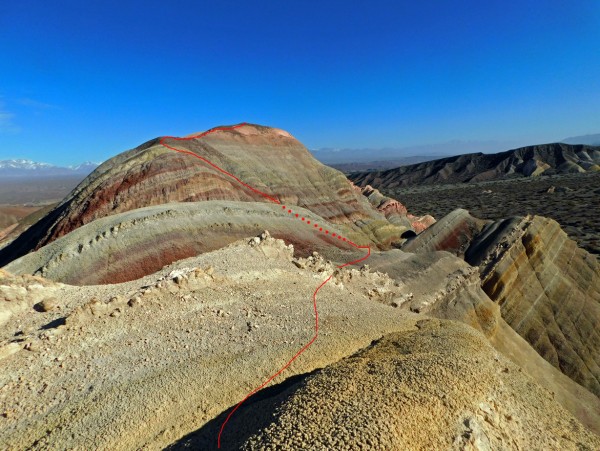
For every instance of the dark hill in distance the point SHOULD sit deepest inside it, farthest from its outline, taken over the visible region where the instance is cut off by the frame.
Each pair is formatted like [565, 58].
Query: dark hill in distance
[334, 156]
[545, 159]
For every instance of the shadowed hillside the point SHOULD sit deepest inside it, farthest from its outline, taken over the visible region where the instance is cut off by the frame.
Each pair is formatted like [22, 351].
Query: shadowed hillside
[546, 159]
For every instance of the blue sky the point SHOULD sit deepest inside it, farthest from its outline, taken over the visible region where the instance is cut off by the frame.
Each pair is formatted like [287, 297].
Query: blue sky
[86, 80]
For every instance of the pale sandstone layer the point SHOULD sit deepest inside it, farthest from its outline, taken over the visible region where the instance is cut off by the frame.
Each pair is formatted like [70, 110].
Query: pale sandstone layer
[395, 212]
[140, 364]
[452, 233]
[442, 285]
[136, 243]
[547, 288]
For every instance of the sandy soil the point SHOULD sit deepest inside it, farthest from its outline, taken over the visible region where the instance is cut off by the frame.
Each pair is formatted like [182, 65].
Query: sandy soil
[12, 214]
[124, 367]
[438, 386]
[37, 191]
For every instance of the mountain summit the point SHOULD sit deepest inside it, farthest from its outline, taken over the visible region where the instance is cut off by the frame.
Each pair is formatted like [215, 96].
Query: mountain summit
[268, 159]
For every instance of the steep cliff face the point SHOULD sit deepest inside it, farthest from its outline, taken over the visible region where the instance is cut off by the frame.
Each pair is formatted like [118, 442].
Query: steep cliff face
[523, 162]
[268, 159]
[548, 290]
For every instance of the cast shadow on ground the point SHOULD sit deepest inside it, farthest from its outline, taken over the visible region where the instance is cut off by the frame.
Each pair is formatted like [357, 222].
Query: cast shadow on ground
[256, 413]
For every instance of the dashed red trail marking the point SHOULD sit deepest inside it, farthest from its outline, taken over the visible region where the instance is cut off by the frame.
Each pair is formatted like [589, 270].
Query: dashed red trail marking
[293, 214]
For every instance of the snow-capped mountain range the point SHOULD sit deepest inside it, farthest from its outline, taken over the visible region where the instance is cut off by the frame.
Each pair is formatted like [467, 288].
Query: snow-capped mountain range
[28, 168]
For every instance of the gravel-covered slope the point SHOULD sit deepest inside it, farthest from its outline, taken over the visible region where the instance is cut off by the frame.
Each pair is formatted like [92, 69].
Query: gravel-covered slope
[142, 363]
[439, 385]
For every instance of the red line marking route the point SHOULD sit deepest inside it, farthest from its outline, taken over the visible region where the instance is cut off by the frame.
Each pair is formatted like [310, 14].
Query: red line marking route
[292, 214]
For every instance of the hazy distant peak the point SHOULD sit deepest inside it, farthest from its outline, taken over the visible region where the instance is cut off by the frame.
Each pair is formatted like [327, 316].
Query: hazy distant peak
[23, 164]
[590, 140]
[85, 166]
[28, 168]
[336, 156]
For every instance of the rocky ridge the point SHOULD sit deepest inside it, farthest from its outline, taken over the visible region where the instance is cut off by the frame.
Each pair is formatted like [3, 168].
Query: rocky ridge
[400, 404]
[395, 212]
[135, 357]
[453, 233]
[142, 241]
[547, 288]
[546, 159]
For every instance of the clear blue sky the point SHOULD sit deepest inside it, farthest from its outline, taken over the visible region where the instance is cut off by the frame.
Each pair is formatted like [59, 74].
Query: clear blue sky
[84, 80]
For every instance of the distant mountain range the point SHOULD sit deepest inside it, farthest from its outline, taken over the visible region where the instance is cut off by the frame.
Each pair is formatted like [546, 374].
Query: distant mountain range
[379, 159]
[337, 157]
[28, 168]
[381, 165]
[344, 159]
[590, 140]
[546, 159]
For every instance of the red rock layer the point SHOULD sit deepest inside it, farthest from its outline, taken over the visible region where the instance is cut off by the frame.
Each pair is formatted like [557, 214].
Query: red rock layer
[130, 245]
